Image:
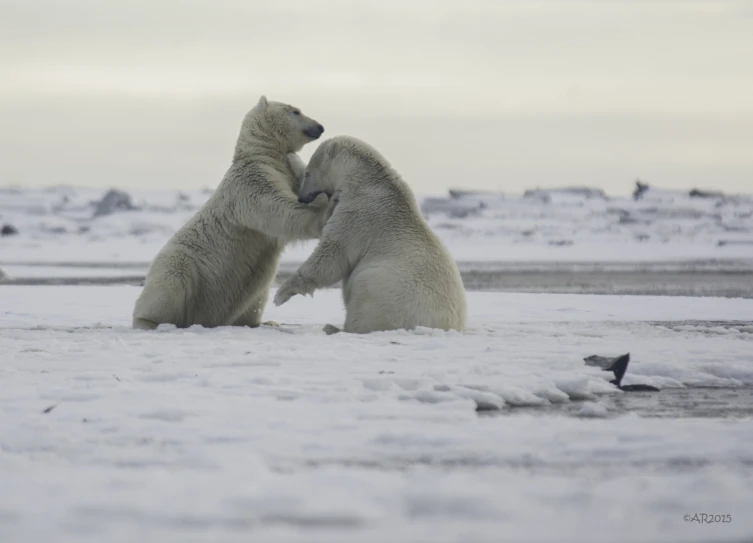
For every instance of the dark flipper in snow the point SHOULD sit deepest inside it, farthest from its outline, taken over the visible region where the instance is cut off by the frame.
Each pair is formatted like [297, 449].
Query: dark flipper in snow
[618, 365]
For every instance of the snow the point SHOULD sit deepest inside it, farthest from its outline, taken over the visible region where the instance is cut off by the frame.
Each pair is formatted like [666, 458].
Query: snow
[287, 434]
[61, 223]
[593, 409]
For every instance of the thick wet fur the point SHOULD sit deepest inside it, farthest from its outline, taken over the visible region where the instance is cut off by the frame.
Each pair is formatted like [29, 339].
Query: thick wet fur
[395, 272]
[217, 269]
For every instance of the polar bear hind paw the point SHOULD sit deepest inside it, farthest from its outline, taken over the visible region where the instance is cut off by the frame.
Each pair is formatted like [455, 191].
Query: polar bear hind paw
[140, 323]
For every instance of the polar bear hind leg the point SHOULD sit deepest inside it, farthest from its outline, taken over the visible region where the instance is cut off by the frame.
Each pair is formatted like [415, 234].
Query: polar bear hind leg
[162, 304]
[367, 309]
[144, 324]
[251, 317]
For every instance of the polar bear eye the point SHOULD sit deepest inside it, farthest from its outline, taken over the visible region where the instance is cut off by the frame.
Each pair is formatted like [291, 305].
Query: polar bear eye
[296, 112]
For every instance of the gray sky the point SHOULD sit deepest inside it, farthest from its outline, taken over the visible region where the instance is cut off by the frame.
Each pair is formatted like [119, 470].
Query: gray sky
[501, 95]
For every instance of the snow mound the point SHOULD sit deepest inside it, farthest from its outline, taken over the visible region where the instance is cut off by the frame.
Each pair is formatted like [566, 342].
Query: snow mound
[112, 201]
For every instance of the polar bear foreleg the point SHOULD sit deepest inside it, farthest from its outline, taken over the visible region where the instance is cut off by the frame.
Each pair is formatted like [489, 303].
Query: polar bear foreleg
[284, 217]
[298, 168]
[327, 265]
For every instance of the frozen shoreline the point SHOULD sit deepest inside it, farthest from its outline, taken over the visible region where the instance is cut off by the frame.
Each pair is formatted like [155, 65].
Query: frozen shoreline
[729, 279]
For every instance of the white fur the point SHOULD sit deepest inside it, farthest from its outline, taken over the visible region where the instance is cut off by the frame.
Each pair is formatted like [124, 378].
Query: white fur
[396, 273]
[217, 269]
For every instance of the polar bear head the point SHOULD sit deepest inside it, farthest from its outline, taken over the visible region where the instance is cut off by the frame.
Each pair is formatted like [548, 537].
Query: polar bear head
[278, 123]
[335, 162]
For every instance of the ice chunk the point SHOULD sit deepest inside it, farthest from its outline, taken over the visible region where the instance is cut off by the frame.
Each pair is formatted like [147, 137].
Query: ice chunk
[8, 230]
[114, 200]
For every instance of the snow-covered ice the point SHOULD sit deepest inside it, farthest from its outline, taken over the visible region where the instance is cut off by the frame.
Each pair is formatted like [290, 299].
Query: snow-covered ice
[111, 434]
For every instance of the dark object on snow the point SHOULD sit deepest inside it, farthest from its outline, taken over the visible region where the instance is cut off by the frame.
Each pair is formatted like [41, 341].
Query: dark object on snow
[638, 388]
[485, 407]
[112, 201]
[695, 193]
[724, 242]
[618, 365]
[640, 188]
[8, 230]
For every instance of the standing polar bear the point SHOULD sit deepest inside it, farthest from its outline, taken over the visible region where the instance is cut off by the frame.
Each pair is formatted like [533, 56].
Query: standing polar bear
[217, 269]
[395, 272]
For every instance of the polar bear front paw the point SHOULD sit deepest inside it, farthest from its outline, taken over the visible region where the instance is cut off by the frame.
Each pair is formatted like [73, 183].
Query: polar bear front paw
[297, 284]
[283, 296]
[286, 292]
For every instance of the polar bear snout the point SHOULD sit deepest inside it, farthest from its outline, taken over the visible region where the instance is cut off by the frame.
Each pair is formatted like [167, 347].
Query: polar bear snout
[315, 131]
[311, 196]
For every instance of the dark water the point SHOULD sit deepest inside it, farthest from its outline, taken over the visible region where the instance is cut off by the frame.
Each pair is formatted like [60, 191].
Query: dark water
[715, 403]
[730, 279]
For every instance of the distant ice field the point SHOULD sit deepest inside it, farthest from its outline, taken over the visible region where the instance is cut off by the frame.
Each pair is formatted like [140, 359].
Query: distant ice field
[70, 224]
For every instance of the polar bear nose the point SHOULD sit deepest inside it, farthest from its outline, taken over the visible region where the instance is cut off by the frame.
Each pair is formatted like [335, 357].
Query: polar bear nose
[314, 131]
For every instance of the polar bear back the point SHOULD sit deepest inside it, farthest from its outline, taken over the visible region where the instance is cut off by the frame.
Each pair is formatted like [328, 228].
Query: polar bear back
[402, 274]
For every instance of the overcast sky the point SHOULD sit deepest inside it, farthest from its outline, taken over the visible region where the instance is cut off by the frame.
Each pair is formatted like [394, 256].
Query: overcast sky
[496, 95]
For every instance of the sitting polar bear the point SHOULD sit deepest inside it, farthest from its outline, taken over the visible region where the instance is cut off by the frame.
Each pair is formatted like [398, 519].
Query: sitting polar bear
[395, 272]
[217, 269]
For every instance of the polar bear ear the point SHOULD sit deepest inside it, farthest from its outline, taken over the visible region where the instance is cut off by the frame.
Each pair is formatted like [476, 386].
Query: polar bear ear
[333, 150]
[262, 104]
